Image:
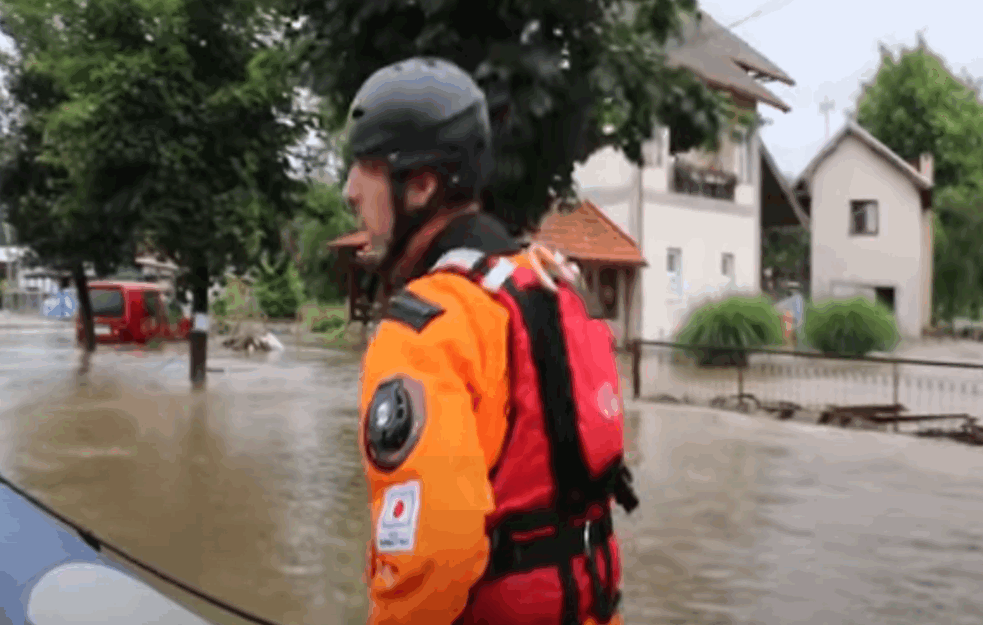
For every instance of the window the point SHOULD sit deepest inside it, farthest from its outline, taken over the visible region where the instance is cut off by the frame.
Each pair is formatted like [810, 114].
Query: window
[727, 265]
[885, 297]
[674, 267]
[608, 282]
[863, 217]
[152, 303]
[106, 302]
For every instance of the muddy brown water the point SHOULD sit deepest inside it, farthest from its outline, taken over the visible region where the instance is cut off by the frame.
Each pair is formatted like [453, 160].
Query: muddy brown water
[253, 491]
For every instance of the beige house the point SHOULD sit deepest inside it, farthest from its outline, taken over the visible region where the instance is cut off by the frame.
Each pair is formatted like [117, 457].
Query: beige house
[871, 223]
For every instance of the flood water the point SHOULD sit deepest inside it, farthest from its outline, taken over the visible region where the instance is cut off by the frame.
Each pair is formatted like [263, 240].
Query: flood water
[252, 491]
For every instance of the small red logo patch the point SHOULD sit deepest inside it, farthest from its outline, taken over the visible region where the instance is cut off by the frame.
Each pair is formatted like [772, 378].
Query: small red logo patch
[398, 509]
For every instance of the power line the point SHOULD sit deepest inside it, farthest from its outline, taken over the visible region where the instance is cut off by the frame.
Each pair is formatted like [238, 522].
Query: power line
[762, 11]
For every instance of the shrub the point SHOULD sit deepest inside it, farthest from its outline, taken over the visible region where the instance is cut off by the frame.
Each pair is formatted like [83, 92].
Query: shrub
[736, 322]
[279, 290]
[850, 327]
[327, 324]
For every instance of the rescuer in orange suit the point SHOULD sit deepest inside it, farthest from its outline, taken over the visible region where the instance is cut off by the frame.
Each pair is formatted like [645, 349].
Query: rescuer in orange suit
[435, 395]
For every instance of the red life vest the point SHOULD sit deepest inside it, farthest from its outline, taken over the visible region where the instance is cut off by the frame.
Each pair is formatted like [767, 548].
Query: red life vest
[562, 461]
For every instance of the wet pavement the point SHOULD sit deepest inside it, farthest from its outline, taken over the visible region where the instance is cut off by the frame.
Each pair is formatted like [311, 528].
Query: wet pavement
[253, 492]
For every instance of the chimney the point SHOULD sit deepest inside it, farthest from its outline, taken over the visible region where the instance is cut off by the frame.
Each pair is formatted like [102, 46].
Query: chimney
[926, 165]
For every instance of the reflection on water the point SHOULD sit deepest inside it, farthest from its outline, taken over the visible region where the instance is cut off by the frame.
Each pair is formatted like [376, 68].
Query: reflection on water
[253, 491]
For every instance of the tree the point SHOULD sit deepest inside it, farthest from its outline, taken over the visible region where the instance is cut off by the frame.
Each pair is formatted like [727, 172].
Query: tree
[174, 119]
[60, 226]
[326, 217]
[556, 74]
[916, 105]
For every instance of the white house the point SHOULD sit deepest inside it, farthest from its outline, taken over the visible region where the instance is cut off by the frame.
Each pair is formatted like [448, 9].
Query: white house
[871, 224]
[696, 217]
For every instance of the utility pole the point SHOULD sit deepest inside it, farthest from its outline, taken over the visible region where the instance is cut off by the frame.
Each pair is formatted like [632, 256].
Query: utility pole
[826, 107]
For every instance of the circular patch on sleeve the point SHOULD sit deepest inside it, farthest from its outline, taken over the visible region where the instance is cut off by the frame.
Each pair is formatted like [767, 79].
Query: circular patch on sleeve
[394, 422]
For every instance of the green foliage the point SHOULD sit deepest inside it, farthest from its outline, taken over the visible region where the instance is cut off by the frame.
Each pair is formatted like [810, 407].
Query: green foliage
[734, 322]
[328, 324]
[958, 278]
[785, 251]
[165, 121]
[850, 327]
[279, 289]
[239, 299]
[326, 217]
[555, 75]
[916, 105]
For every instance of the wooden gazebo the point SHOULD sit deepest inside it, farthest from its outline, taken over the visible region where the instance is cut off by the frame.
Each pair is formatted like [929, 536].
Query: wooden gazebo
[356, 273]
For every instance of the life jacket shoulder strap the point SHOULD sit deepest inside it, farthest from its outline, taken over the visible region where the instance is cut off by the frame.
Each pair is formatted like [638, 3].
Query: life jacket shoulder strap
[489, 271]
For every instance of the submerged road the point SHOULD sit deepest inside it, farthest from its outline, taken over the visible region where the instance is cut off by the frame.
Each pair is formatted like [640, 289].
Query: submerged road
[252, 491]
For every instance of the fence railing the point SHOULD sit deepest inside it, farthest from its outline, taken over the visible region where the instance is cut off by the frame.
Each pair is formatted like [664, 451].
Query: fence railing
[22, 301]
[811, 380]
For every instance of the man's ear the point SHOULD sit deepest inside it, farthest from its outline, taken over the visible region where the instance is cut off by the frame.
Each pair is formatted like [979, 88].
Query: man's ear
[420, 190]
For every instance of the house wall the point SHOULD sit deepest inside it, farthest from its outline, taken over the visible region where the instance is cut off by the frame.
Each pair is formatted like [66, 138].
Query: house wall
[702, 228]
[844, 265]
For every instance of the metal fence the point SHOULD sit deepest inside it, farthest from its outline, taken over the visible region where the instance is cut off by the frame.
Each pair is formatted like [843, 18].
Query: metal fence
[668, 371]
[22, 301]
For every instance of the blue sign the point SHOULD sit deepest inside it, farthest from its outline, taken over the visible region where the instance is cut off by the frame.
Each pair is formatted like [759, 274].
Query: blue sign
[61, 305]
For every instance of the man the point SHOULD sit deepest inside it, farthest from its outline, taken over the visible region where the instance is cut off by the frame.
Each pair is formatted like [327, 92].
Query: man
[475, 518]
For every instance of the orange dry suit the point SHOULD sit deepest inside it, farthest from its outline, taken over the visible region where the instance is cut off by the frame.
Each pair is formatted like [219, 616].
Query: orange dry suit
[491, 500]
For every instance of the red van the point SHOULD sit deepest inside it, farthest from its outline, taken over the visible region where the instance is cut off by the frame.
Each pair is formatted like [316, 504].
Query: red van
[132, 312]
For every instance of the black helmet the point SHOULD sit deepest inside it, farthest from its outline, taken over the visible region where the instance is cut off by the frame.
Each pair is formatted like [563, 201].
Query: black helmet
[423, 112]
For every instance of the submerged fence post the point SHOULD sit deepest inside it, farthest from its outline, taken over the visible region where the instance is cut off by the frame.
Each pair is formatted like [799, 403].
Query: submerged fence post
[896, 380]
[636, 367]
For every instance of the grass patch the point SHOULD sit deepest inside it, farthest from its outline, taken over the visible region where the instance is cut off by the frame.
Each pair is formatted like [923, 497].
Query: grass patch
[327, 324]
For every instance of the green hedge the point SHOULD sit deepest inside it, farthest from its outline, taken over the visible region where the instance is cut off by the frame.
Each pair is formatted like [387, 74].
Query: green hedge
[736, 322]
[850, 327]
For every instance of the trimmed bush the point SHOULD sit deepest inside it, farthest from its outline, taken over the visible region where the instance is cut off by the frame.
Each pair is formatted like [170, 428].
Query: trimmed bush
[850, 327]
[735, 324]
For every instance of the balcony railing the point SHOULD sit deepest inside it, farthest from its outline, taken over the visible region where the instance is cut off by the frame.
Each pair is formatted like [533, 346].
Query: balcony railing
[704, 182]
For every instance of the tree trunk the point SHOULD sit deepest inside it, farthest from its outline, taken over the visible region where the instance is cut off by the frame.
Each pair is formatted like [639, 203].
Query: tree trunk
[198, 338]
[85, 308]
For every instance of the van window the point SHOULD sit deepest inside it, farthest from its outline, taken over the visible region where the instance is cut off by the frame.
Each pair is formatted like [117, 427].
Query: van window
[151, 303]
[106, 302]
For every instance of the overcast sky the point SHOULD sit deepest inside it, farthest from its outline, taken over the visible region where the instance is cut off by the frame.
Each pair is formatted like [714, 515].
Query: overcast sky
[830, 46]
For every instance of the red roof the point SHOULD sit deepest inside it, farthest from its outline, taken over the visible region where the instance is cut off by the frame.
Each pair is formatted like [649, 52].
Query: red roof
[586, 233]
[355, 239]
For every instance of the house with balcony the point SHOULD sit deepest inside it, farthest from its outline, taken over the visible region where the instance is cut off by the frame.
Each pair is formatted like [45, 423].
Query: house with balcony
[696, 217]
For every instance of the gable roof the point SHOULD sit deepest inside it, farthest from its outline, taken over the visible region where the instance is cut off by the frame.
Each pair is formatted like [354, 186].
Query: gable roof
[723, 60]
[853, 129]
[586, 233]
